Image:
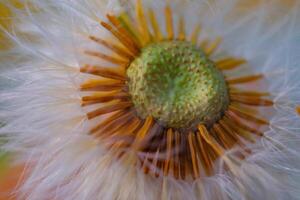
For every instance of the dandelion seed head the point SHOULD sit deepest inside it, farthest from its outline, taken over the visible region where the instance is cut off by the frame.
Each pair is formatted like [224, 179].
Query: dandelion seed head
[69, 116]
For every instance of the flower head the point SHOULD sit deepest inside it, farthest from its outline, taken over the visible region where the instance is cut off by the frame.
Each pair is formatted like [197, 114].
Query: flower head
[150, 100]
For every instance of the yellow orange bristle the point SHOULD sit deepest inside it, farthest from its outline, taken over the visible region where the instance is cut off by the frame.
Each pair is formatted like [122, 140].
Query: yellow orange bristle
[245, 79]
[169, 23]
[127, 42]
[195, 34]
[194, 157]
[108, 58]
[115, 125]
[108, 120]
[254, 101]
[239, 129]
[204, 44]
[108, 109]
[104, 97]
[131, 127]
[116, 48]
[177, 167]
[155, 26]
[206, 161]
[181, 29]
[169, 150]
[231, 117]
[105, 72]
[229, 63]
[234, 91]
[122, 30]
[140, 136]
[129, 25]
[247, 115]
[229, 131]
[210, 140]
[142, 23]
[213, 46]
[298, 110]
[102, 85]
[226, 140]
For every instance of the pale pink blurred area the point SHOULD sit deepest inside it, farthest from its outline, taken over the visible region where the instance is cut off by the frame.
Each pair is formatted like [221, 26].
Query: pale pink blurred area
[9, 181]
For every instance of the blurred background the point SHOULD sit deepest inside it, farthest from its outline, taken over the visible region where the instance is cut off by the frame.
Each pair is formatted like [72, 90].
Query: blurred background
[9, 175]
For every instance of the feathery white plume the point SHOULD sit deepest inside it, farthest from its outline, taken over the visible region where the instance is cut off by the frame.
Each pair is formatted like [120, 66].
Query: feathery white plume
[47, 128]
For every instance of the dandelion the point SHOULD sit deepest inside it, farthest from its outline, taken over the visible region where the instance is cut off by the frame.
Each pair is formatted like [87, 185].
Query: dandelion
[153, 100]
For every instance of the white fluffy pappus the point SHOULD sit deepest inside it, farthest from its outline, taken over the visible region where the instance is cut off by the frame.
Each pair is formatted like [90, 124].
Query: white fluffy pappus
[47, 128]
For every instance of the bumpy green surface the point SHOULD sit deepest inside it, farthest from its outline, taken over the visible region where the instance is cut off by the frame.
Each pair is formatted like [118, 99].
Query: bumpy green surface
[177, 84]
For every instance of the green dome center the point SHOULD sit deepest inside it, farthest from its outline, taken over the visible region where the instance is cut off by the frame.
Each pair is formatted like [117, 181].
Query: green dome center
[176, 83]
